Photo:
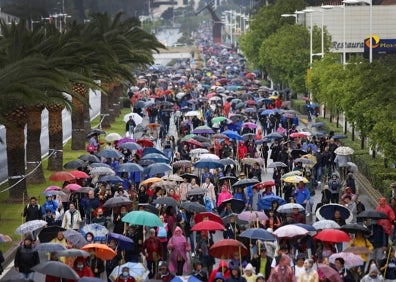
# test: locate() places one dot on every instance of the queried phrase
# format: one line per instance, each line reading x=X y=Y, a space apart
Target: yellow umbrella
x=295 y=179
x=151 y=180
x=310 y=157
x=273 y=97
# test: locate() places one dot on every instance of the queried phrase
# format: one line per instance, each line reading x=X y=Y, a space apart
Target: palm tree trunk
x=104 y=110
x=55 y=134
x=79 y=132
x=33 y=146
x=118 y=97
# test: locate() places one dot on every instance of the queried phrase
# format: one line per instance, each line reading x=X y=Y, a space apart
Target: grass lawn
x=10 y=213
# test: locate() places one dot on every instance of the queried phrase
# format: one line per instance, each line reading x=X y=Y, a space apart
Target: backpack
x=162 y=232
x=334 y=185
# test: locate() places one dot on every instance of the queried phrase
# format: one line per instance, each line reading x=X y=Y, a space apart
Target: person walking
x=26 y=258
x=71 y=218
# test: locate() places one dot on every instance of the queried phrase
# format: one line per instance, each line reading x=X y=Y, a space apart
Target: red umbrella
x=72 y=187
x=145 y=142
x=332 y=236
x=268 y=183
x=226 y=248
x=208 y=225
x=210 y=95
x=79 y=174
x=61 y=176
x=207 y=216
x=193 y=142
x=250 y=102
x=298 y=135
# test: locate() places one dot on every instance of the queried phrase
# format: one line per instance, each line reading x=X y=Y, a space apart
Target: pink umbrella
x=251 y=125
x=250 y=216
x=72 y=187
x=52 y=188
x=350 y=259
x=5 y=238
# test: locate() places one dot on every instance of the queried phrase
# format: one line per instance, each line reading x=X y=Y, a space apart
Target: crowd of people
x=230 y=134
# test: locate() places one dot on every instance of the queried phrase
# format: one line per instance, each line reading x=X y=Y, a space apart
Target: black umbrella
x=49 y=233
x=90 y=158
x=245 y=182
x=74 y=164
x=196 y=191
x=231 y=179
x=372 y=214
x=237 y=206
x=227 y=220
x=228 y=161
x=166 y=201
x=117 y=202
x=200 y=138
x=149 y=208
x=297 y=153
x=190 y=176
x=193 y=207
x=355 y=227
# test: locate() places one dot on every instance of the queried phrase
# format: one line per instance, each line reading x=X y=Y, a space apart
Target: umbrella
x=188 y=136
x=198 y=151
x=327 y=212
x=52 y=188
x=75 y=237
x=72 y=253
x=172 y=177
x=318 y=124
x=208 y=163
x=208 y=225
x=56 y=269
x=30 y=226
x=99 y=231
x=295 y=179
x=111 y=137
x=218 y=119
x=245 y=182
x=189 y=176
x=252 y=161
x=220 y=136
x=72 y=187
x=196 y=191
x=202 y=216
x=232 y=134
x=166 y=201
x=358 y=250
x=227 y=219
x=129 y=167
x=352 y=167
x=251 y=125
x=94 y=165
x=142 y=218
x=157 y=168
x=150 y=150
x=258 y=234
x=140 y=104
x=102 y=171
x=55 y=192
x=149 y=208
x=158 y=158
x=265 y=203
x=123 y=242
x=49 y=233
x=194 y=142
x=130 y=146
x=251 y=216
x=61 y=176
x=192 y=114
x=153 y=125
x=145 y=142
x=326 y=224
x=49 y=247
x=110 y=153
x=5 y=238
x=298 y=135
x=209 y=156
x=355 y=227
x=329 y=273
x=125 y=140
x=350 y=259
x=312 y=230
x=344 y=151
x=290 y=231
x=277 y=164
x=74 y=164
x=136 y=118
x=332 y=236
x=78 y=174
x=151 y=181
x=203 y=129
x=90 y=158
x=304 y=161
x=289 y=207
x=237 y=205
x=273 y=135
x=193 y=207
x=102 y=251
x=339 y=136
x=114 y=179
x=136 y=270
x=117 y=202
x=268 y=183
x=372 y=214
x=226 y=248
x=291 y=173
x=165 y=184
x=297 y=153
x=84 y=190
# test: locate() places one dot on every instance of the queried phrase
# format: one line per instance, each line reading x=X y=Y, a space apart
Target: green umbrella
x=188 y=136
x=142 y=218
x=218 y=119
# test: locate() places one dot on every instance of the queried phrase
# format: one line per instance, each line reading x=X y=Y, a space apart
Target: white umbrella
x=290 y=231
x=344 y=151
x=137 y=118
x=111 y=137
x=191 y=114
x=326 y=224
x=289 y=207
x=102 y=171
x=209 y=156
x=173 y=177
x=30 y=226
x=199 y=151
x=180 y=95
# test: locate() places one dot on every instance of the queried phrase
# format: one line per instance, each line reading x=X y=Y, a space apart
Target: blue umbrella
x=313 y=147
x=123 y=242
x=265 y=203
x=267 y=112
x=130 y=146
x=149 y=150
x=159 y=158
x=110 y=153
x=157 y=168
x=114 y=179
x=258 y=234
x=140 y=104
x=99 y=231
x=210 y=163
x=99 y=165
x=232 y=134
x=129 y=167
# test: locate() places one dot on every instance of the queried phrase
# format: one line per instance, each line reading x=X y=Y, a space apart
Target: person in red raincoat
x=227 y=108
x=242 y=150
x=278 y=103
x=387 y=224
x=222 y=268
x=82 y=268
